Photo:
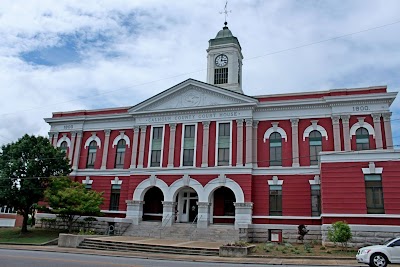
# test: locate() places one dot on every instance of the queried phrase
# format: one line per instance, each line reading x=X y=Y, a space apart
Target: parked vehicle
x=380 y=255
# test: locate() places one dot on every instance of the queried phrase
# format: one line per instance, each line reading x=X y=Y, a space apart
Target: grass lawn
x=34 y=236
x=308 y=249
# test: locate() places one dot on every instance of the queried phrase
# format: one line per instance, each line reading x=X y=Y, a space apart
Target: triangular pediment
x=192 y=94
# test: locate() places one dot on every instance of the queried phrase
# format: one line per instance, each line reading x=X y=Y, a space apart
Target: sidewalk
x=249 y=260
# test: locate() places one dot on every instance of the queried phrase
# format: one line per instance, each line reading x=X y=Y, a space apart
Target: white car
x=380 y=255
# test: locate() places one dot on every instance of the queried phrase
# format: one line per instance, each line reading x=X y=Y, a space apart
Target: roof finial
x=226 y=11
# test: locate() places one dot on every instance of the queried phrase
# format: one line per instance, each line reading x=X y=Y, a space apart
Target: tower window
x=362 y=139
x=221 y=76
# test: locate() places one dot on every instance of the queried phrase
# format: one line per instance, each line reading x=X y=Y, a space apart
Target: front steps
x=184 y=231
x=113 y=245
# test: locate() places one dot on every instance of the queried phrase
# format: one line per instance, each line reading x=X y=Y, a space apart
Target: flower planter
x=235 y=251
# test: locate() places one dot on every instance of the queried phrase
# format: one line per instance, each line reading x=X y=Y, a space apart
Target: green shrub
x=322 y=248
x=339 y=232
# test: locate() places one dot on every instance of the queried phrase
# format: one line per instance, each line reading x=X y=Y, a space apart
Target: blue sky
x=68 y=55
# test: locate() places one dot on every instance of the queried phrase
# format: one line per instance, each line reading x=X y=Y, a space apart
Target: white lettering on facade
x=192 y=117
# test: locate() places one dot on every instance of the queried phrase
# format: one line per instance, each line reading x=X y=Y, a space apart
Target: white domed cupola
x=224 y=61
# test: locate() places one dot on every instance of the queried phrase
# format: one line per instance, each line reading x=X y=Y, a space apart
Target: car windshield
x=390 y=240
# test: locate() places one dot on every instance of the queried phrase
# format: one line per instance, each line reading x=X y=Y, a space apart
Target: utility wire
x=203 y=69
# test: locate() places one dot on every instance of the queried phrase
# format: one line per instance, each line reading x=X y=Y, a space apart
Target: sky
x=69 y=55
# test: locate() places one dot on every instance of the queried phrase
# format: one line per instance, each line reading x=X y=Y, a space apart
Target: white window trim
x=116 y=181
x=87 y=181
x=122 y=136
x=151 y=143
x=372 y=169
x=62 y=139
x=275 y=181
x=314 y=127
x=230 y=143
x=272 y=130
x=195 y=143
x=363 y=124
x=93 y=138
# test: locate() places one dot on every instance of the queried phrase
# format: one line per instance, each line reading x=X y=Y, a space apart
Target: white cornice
x=307 y=170
x=162 y=171
x=360 y=156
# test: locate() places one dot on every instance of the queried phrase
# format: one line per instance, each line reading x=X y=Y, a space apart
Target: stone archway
x=152 y=206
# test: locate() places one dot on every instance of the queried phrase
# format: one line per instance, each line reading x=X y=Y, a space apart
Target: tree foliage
x=340 y=232
x=70 y=200
x=25 y=167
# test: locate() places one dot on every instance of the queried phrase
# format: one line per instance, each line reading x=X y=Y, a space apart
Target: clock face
x=221 y=60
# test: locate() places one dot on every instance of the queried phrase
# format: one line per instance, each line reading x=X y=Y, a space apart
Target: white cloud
x=131 y=50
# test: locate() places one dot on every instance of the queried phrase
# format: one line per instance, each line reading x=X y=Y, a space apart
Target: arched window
x=275 y=149
x=64 y=147
x=120 y=156
x=315 y=139
x=91 y=154
x=362 y=139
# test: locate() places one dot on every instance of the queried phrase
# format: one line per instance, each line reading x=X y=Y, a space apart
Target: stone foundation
x=364 y=235
x=258 y=233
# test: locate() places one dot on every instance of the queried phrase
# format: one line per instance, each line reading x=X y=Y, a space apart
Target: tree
x=25 y=167
x=70 y=200
x=340 y=232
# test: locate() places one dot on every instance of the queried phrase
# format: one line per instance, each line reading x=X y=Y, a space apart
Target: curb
x=189 y=258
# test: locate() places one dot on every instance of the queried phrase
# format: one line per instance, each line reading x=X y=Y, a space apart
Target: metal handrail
x=169 y=217
x=192 y=231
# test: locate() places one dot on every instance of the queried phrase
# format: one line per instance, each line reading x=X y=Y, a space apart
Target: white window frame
x=151 y=143
x=195 y=143
x=216 y=143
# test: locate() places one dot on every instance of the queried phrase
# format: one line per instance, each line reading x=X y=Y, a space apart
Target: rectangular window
x=315 y=200
x=221 y=76
x=314 y=153
x=114 y=198
x=275 y=200
x=156 y=147
x=88 y=186
x=188 y=145
x=275 y=154
x=374 y=193
x=224 y=139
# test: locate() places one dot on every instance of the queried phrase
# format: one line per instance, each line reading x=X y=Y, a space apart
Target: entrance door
x=193 y=210
x=187 y=205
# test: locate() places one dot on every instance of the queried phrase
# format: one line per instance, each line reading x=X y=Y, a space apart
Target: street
x=17 y=258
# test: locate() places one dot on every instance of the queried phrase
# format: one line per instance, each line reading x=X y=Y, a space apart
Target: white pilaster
x=249 y=142
x=55 y=139
x=168 y=213
x=336 y=132
x=134 y=146
x=243 y=214
x=388 y=130
x=77 y=150
x=239 y=150
x=206 y=136
x=105 y=149
x=255 y=143
x=203 y=214
x=134 y=211
x=346 y=132
x=141 y=146
x=378 y=131
x=295 y=142
x=172 y=132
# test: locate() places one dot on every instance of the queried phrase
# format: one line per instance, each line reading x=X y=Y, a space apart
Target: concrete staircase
x=110 y=245
x=184 y=231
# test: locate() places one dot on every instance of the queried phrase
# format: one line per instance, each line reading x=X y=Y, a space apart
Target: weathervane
x=225 y=12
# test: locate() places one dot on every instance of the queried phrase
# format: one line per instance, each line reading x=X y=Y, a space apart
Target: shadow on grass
x=34 y=236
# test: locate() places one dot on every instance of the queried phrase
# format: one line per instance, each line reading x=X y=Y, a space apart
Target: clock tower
x=224 y=61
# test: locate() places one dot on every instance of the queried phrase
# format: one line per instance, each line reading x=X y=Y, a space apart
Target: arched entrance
x=153 y=207
x=223 y=208
x=187 y=208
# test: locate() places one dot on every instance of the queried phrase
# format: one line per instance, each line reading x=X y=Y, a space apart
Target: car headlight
x=364 y=251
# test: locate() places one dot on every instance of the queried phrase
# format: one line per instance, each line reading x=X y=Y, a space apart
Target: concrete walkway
x=316 y=261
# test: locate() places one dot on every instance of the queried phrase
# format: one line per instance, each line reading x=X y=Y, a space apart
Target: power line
x=203 y=69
